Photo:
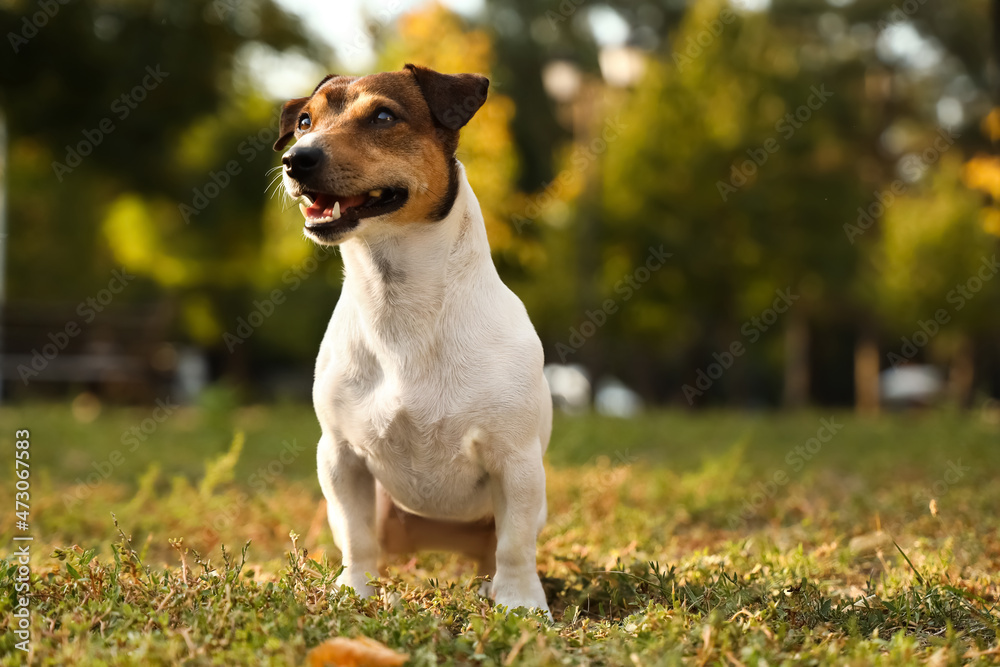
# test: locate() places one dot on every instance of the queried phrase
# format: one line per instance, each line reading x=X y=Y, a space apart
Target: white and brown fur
x=429 y=388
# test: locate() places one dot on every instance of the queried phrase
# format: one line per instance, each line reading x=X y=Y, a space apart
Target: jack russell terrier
x=429 y=387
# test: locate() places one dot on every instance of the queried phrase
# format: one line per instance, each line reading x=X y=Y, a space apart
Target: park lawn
x=710 y=538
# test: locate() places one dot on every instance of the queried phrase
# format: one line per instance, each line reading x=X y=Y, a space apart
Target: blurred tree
x=436 y=37
x=926 y=67
x=138 y=140
x=531 y=34
x=708 y=147
x=749 y=150
x=93 y=60
x=936 y=273
x=758 y=149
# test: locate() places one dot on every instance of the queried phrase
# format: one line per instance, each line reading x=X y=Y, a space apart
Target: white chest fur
x=430 y=370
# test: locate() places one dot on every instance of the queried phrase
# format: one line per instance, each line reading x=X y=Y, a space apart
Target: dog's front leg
x=518 y=492
x=349 y=489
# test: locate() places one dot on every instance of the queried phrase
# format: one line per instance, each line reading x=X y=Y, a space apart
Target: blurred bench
x=122 y=352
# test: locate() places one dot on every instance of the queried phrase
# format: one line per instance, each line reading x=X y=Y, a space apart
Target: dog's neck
x=403 y=284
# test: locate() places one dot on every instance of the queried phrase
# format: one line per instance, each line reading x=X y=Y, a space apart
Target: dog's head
x=378 y=151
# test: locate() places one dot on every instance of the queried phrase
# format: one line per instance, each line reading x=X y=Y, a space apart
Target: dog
x=429 y=390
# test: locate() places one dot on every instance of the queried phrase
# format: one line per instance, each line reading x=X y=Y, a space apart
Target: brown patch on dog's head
x=377 y=149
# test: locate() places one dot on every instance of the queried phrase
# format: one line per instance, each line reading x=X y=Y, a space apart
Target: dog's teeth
x=303 y=207
x=336 y=210
x=375 y=193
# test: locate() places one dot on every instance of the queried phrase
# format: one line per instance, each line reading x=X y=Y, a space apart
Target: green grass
x=676 y=538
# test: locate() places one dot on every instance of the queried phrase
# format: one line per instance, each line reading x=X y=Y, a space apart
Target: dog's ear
x=289 y=117
x=453 y=98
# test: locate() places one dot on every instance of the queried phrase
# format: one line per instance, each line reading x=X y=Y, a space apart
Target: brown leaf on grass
x=360 y=652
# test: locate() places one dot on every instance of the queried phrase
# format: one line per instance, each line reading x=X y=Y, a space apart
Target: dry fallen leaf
x=360 y=652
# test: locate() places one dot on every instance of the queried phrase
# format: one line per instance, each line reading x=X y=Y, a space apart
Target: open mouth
x=332 y=212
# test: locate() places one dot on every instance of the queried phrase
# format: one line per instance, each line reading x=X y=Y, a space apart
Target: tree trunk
x=796 y=393
x=866 y=368
x=961 y=373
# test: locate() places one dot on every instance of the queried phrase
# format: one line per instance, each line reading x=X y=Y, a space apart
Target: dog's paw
x=358 y=581
x=526 y=593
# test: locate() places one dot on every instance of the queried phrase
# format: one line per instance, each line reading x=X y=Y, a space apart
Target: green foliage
x=703 y=167
x=177 y=190
x=436 y=38
x=938 y=227
x=748 y=144
x=221 y=470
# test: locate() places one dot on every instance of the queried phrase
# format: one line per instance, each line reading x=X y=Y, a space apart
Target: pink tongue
x=323 y=206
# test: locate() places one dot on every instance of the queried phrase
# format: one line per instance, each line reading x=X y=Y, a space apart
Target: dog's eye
x=304 y=122
x=383 y=116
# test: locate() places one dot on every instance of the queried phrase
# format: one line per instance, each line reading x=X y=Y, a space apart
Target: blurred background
x=702 y=203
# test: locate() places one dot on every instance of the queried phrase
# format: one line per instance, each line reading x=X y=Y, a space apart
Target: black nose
x=302 y=161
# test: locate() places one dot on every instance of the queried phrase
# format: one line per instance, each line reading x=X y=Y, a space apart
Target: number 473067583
x=22 y=470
